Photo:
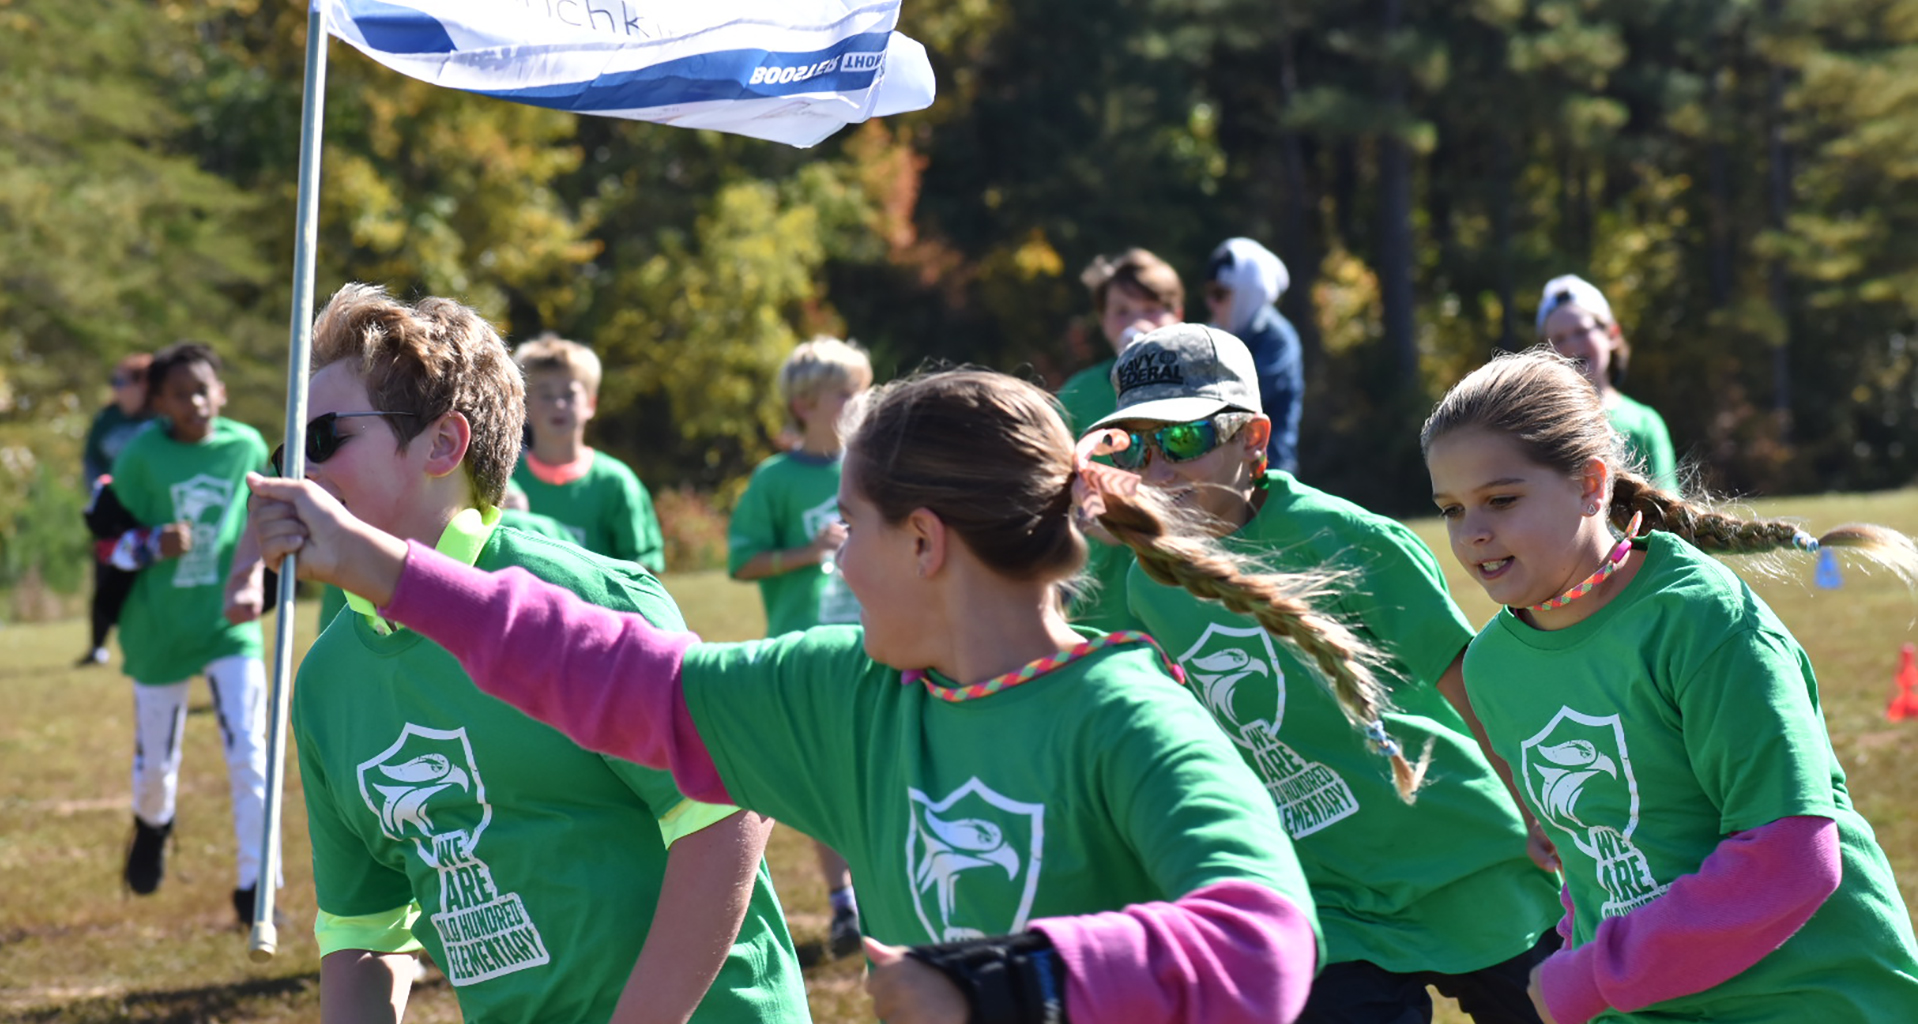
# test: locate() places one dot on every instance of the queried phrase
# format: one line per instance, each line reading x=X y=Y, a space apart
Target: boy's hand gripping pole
x=265 y=940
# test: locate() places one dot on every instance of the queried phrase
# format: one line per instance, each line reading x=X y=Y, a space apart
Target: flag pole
x=265 y=940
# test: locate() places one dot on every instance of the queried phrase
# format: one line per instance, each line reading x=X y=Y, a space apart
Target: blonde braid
x=1710 y=529
x=1281 y=602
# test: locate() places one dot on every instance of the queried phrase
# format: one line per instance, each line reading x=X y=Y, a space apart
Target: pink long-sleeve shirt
x=1228 y=952
x=1755 y=890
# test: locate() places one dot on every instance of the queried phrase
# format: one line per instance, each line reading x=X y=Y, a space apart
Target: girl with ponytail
x=1044 y=820
x=1662 y=723
x=1470 y=915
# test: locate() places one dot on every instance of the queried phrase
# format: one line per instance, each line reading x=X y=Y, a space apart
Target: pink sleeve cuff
x=609 y=680
x=1756 y=890
x=1227 y=953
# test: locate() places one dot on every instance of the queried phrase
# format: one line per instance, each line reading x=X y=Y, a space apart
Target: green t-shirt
x=1387 y=892
x=536 y=864
x=175 y=621
x=1645 y=437
x=1679 y=713
x=1088 y=397
x=107 y=437
x=1096 y=785
x=608 y=510
x=790 y=498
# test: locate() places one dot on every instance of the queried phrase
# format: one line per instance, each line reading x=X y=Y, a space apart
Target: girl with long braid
x=1048 y=822
x=1662 y=723
x=1471 y=914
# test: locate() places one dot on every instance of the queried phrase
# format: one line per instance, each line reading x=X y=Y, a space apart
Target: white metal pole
x=265 y=939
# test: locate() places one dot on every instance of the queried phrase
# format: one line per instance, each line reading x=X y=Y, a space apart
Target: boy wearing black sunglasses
x=185 y=480
x=544 y=879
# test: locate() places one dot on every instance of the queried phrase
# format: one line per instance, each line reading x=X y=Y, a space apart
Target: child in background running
x=785 y=533
x=1663 y=723
x=1470 y=915
x=1047 y=819
x=1575 y=319
x=186 y=474
x=595 y=495
x=549 y=882
x=113 y=426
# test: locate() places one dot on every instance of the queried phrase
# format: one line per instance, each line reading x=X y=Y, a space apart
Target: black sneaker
x=243 y=907
x=146 y=856
x=842 y=939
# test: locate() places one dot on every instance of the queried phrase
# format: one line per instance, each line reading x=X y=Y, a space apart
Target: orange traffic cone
x=1904 y=701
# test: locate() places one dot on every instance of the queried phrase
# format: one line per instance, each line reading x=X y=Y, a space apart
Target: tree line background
x=1737 y=175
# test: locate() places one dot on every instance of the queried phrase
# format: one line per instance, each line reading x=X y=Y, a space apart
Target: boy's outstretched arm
x=702 y=900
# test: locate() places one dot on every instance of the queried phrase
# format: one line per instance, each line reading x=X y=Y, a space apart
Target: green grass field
x=75 y=948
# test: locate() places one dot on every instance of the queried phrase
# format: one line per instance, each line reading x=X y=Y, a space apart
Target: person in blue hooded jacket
x=1243 y=280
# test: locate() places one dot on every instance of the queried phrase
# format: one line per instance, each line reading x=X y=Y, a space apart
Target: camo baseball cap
x=1183 y=373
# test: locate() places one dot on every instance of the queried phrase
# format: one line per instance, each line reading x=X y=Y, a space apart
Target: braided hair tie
x=1804 y=541
x=1375 y=731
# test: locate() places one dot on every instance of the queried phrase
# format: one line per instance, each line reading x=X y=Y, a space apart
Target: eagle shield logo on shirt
x=1578 y=774
x=1236 y=672
x=426 y=790
x=201 y=503
x=970 y=855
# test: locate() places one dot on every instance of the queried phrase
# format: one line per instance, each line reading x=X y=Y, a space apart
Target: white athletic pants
x=239 y=700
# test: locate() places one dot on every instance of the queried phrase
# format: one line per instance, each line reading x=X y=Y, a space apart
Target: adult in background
x=112 y=428
x=1242 y=281
x=1575 y=319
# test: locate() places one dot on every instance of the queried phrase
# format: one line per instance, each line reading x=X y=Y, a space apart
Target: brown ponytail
x=991 y=457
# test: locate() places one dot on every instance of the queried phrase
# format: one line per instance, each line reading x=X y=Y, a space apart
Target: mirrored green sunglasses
x=1175 y=442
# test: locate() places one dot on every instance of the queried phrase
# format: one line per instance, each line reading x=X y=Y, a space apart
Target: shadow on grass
x=182 y=1006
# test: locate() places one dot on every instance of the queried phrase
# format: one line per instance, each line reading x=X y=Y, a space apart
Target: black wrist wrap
x=1007 y=979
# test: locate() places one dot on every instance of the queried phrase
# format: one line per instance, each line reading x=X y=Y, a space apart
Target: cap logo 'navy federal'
x=1156 y=366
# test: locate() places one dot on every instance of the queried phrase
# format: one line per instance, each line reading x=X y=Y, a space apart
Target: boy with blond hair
x=544 y=878
x=596 y=496
x=785 y=533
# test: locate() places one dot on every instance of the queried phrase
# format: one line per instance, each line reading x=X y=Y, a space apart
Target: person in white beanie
x=1242 y=281
x=1575 y=319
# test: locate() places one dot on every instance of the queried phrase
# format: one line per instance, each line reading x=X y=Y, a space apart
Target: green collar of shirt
x=462 y=540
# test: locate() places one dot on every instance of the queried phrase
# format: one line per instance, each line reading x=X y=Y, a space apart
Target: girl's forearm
x=1230 y=952
x=1754 y=891
x=609 y=680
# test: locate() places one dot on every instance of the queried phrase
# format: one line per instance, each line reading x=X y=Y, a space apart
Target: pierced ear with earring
x=1591 y=509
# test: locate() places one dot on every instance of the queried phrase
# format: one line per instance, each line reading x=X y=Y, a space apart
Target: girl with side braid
x=1470 y=915
x=1042 y=816
x=1663 y=724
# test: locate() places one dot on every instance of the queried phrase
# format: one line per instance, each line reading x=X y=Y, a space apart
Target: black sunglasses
x=323 y=437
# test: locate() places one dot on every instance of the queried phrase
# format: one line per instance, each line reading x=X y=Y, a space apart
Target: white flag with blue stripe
x=791 y=71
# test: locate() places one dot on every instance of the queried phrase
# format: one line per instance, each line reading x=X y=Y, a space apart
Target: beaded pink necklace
x=1035 y=669
x=1612 y=562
